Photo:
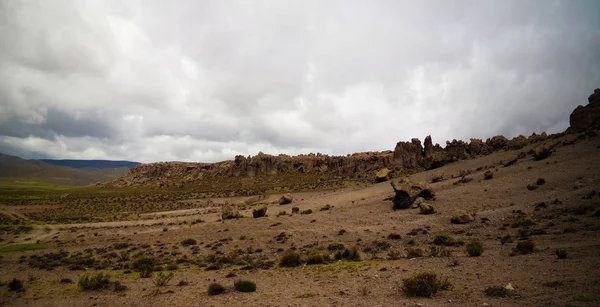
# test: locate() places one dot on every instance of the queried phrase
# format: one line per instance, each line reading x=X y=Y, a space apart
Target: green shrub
x=444 y=239
x=317 y=258
x=15 y=285
x=144 y=265
x=561 y=253
x=244 y=286
x=394 y=255
x=335 y=246
x=162 y=279
x=488 y=175
x=188 y=242
x=97 y=281
x=525 y=247
x=215 y=289
x=414 y=252
x=424 y=284
x=290 y=259
x=474 y=248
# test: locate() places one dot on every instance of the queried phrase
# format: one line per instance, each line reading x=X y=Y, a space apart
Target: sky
x=207 y=80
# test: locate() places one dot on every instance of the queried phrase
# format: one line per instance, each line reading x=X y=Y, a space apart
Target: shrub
x=307 y=211
x=188 y=242
x=227 y=213
x=162 y=279
x=525 y=247
x=335 y=246
x=435 y=250
x=325 y=208
x=424 y=284
x=66 y=281
x=120 y=245
x=317 y=258
x=394 y=255
x=351 y=254
x=561 y=253
x=488 y=175
x=15 y=285
x=497 y=291
x=540 y=181
x=281 y=213
x=143 y=265
x=118 y=287
x=97 y=281
x=244 y=286
x=531 y=187
x=444 y=239
x=215 y=289
x=474 y=248
x=414 y=252
x=394 y=236
x=290 y=259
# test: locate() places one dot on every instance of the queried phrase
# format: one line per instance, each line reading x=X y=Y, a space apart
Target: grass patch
x=425 y=284
x=23 y=247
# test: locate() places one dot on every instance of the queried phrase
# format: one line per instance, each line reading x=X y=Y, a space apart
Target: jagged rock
x=461 y=217
x=286 y=199
x=256 y=213
x=406 y=192
x=497 y=142
x=407 y=154
x=382 y=175
x=588 y=117
x=542 y=151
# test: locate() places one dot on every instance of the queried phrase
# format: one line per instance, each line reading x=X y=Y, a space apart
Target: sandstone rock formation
x=587 y=117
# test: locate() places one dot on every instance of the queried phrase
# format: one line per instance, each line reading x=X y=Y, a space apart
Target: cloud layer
x=206 y=80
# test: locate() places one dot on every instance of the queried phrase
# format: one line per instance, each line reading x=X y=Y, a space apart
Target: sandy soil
x=571 y=173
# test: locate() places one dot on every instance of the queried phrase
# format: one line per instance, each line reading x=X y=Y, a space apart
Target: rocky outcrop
x=587 y=117
x=242 y=173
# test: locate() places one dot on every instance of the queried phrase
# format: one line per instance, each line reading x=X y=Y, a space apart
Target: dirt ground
x=567 y=219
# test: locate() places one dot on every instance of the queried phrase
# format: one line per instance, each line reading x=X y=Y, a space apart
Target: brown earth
x=567 y=219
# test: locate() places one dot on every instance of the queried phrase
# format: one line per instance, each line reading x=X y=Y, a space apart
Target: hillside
x=14 y=170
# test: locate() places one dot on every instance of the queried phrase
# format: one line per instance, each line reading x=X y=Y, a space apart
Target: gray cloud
x=206 y=80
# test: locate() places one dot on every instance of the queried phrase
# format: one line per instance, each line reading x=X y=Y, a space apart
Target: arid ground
x=560 y=210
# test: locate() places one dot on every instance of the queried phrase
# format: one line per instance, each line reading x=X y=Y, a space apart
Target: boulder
x=510 y=161
x=461 y=217
x=426 y=209
x=382 y=175
x=588 y=117
x=256 y=213
x=406 y=192
x=286 y=199
x=542 y=151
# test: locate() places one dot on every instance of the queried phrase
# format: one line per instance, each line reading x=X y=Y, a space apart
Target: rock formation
x=587 y=117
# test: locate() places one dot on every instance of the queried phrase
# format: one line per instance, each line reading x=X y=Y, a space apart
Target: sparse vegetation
x=414 y=252
x=496 y=291
x=290 y=259
x=524 y=247
x=335 y=246
x=162 y=279
x=488 y=175
x=425 y=284
x=96 y=281
x=444 y=239
x=352 y=254
x=474 y=248
x=561 y=253
x=15 y=285
x=188 y=242
x=215 y=289
x=244 y=286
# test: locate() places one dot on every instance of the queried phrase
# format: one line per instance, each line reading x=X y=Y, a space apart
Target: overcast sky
x=207 y=80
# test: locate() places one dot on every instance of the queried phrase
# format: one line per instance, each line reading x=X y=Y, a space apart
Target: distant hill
x=100 y=164
x=15 y=170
